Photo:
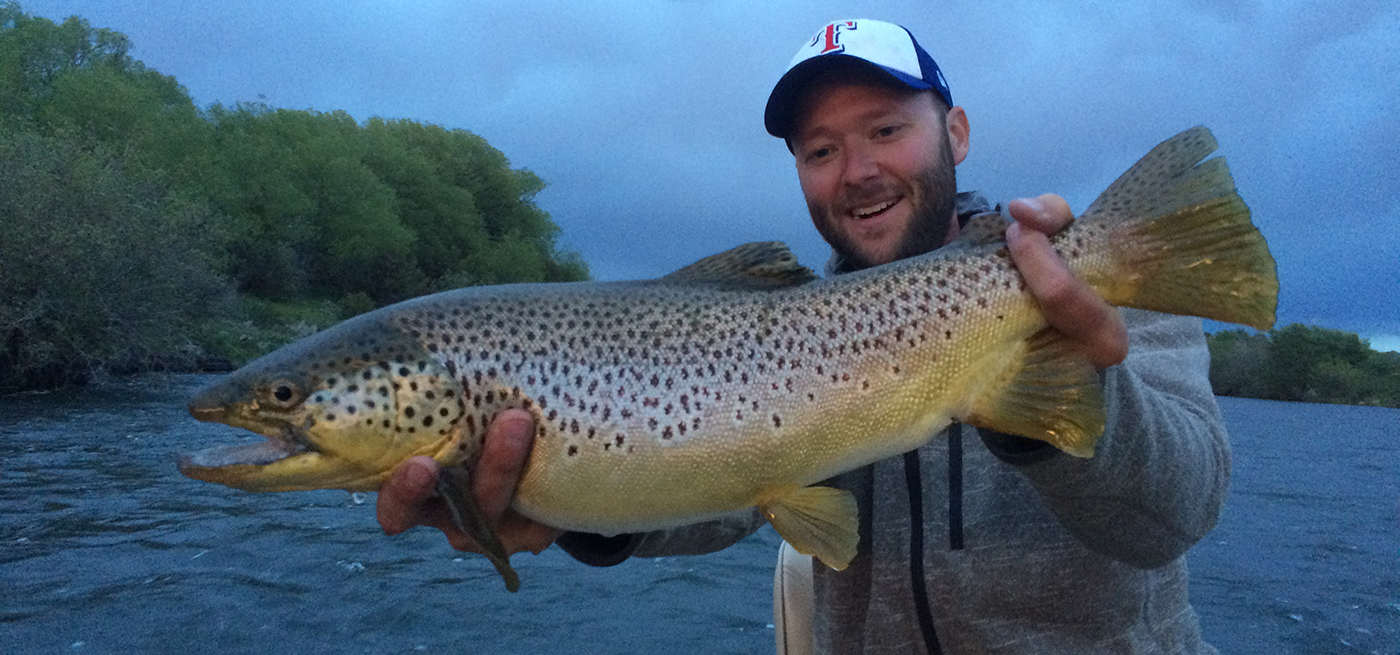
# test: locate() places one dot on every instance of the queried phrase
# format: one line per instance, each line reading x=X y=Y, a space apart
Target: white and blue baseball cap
x=884 y=47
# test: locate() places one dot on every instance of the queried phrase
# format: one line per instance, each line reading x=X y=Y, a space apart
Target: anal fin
x=1051 y=393
x=817 y=521
x=454 y=485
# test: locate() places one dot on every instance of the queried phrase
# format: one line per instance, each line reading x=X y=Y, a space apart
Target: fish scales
x=624 y=377
x=737 y=381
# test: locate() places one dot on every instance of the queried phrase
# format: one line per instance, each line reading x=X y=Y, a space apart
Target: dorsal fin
x=982 y=229
x=758 y=265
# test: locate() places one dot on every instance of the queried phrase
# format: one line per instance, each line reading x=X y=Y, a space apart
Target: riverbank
x=238 y=331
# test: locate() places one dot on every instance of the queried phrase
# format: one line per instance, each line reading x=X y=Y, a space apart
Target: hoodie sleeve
x=1158 y=479
x=697 y=539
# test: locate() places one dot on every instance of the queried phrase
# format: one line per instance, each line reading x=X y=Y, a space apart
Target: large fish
x=741 y=380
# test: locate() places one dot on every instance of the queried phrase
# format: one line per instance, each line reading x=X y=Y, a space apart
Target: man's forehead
x=883 y=96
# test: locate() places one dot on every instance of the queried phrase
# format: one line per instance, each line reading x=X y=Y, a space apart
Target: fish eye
x=284 y=392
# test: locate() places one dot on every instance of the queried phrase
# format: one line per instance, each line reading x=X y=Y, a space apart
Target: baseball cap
x=882 y=46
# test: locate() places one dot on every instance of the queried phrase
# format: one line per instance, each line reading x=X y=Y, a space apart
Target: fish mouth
x=222 y=463
x=273 y=449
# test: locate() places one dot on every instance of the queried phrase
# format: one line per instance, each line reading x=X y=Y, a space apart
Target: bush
x=100 y=272
x=1304 y=363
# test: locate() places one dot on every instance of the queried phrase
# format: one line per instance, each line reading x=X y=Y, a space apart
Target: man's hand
x=406 y=499
x=1069 y=305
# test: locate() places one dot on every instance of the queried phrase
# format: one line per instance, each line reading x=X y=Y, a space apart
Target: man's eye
x=887 y=131
x=818 y=154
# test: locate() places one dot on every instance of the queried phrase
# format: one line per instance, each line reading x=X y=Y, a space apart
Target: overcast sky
x=645 y=118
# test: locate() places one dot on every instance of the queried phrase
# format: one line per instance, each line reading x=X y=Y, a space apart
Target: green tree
x=100 y=272
x=1304 y=363
x=1291 y=372
x=1236 y=359
x=76 y=80
x=123 y=209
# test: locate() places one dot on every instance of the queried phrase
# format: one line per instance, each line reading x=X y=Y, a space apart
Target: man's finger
x=503 y=455
x=404 y=493
x=1069 y=305
x=1046 y=214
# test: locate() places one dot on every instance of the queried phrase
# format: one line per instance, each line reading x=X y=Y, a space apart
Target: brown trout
x=741 y=380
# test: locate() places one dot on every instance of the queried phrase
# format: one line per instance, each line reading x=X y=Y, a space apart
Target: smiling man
x=876 y=164
x=977 y=542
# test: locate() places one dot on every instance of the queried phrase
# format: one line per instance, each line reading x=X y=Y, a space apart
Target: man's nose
x=859 y=166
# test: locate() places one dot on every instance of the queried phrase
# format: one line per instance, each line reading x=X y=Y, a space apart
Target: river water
x=105 y=548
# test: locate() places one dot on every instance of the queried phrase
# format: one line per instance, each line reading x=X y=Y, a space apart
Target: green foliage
x=74 y=80
x=1236 y=359
x=255 y=327
x=125 y=208
x=323 y=206
x=1304 y=363
x=99 y=272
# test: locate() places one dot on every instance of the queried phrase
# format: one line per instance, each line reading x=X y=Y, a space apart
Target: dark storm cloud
x=645 y=118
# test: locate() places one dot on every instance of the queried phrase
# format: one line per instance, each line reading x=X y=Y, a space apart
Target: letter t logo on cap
x=832 y=36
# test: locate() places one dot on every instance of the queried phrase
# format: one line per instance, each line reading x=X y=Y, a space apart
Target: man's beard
x=928 y=226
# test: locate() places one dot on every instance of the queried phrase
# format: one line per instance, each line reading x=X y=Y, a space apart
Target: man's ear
x=958 y=133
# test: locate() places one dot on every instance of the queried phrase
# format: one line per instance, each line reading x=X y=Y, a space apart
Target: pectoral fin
x=817 y=521
x=454 y=485
x=1051 y=393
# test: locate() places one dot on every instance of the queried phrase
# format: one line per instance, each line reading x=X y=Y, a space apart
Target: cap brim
x=787 y=93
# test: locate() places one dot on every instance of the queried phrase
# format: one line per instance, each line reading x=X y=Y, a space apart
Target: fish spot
x=409 y=412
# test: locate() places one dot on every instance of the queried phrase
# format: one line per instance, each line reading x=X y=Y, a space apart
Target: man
x=977 y=542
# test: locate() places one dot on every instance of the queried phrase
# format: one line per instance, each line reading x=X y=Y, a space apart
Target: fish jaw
x=339 y=410
x=285 y=461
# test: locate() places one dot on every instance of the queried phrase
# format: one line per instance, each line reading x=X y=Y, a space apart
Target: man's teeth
x=865 y=212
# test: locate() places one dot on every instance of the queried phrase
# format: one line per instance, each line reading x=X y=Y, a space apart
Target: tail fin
x=1181 y=239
